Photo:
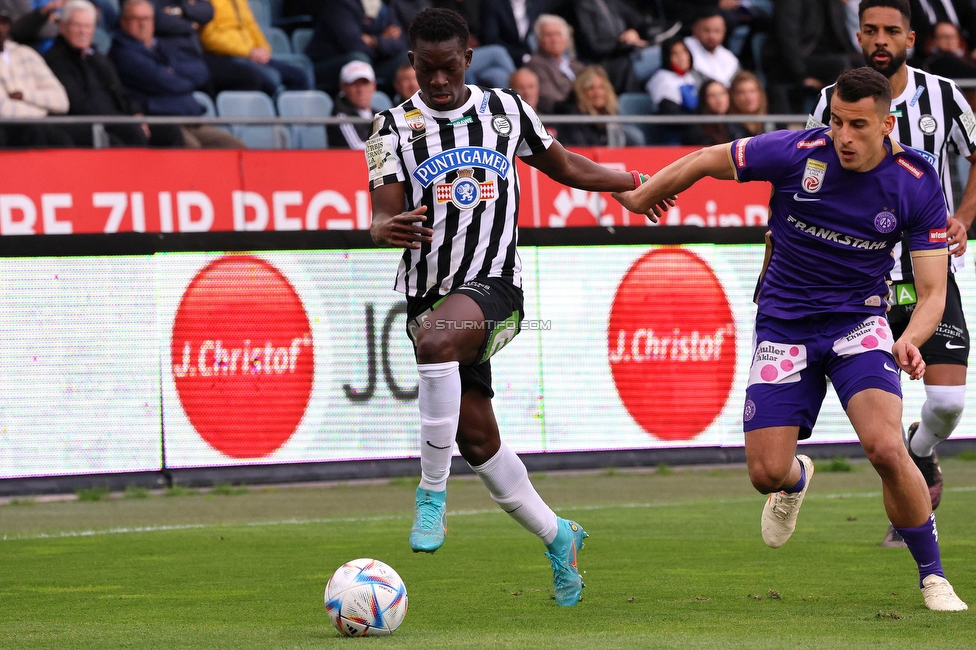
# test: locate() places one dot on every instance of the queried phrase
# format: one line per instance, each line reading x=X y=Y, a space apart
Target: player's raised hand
x=908 y=359
x=956 y=237
x=403 y=230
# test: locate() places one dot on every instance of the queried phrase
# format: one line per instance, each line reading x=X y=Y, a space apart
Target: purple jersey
x=832 y=230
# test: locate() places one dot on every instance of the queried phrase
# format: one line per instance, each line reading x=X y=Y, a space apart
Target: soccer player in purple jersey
x=842 y=197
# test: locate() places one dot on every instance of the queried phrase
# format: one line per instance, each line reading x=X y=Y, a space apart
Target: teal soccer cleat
x=429 y=521
x=562 y=555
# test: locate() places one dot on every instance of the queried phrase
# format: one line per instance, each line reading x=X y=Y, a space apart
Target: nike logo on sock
x=436 y=447
x=925 y=566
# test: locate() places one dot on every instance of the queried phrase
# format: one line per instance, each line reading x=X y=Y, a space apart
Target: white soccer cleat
x=939 y=595
x=779 y=513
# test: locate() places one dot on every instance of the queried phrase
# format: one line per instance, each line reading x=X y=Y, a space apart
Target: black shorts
x=950 y=343
x=503 y=306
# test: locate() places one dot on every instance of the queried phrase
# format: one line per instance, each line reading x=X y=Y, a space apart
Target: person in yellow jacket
x=234 y=32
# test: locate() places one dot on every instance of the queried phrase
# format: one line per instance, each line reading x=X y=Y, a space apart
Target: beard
x=892 y=66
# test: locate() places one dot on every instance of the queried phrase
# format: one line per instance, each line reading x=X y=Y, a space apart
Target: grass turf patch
x=674 y=560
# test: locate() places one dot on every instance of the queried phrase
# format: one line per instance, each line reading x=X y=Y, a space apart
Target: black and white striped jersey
x=461 y=165
x=931 y=115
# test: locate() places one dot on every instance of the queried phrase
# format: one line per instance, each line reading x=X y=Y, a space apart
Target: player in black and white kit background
x=443 y=186
x=931 y=116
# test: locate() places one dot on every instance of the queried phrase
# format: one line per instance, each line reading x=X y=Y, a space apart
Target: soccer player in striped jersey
x=842 y=197
x=444 y=187
x=931 y=116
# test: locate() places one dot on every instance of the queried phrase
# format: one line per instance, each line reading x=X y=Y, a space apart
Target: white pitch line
x=453 y=513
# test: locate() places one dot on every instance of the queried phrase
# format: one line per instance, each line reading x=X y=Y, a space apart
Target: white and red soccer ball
x=366 y=597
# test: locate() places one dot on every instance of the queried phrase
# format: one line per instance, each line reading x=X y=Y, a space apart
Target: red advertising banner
x=138 y=190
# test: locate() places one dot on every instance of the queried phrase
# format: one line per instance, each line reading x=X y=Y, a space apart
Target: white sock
x=440 y=406
x=508 y=483
x=940 y=415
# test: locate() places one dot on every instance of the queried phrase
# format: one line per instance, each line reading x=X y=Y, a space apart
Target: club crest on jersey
x=465 y=192
x=813 y=176
x=501 y=125
x=927 y=124
x=885 y=221
x=415 y=120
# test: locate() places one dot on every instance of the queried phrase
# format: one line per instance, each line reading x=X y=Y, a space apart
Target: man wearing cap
x=28 y=88
x=357 y=85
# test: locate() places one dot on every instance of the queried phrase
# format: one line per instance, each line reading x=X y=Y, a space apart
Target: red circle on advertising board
x=243 y=359
x=671 y=343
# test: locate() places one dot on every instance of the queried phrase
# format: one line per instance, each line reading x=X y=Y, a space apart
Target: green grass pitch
x=675 y=560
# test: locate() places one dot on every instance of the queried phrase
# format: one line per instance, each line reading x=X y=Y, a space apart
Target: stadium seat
x=278 y=40
x=102 y=41
x=381 y=101
x=300 y=61
x=204 y=100
x=306 y=103
x=262 y=13
x=252 y=103
x=639 y=104
x=300 y=38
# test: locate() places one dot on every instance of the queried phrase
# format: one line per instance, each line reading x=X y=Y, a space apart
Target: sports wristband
x=639 y=178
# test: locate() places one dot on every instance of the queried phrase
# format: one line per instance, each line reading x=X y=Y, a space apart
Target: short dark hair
x=900 y=5
x=855 y=84
x=435 y=25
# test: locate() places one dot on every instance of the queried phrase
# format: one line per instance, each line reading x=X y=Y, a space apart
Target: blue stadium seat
x=639 y=104
x=262 y=13
x=277 y=39
x=300 y=38
x=252 y=103
x=381 y=101
x=306 y=103
x=102 y=41
x=300 y=61
x=204 y=100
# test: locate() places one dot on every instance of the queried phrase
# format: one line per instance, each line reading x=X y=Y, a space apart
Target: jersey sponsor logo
x=379 y=156
x=813 y=176
x=461 y=121
x=740 y=153
x=811 y=144
x=415 y=120
x=465 y=192
x=938 y=235
x=813 y=123
x=799 y=197
x=873 y=333
x=777 y=363
x=836 y=237
x=670 y=317
x=501 y=125
x=447 y=161
x=912 y=169
x=890 y=369
x=952 y=346
x=929 y=158
x=927 y=124
x=968 y=123
x=918 y=93
x=885 y=221
x=484 y=103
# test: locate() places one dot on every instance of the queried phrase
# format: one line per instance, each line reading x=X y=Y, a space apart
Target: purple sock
x=923 y=542
x=799 y=484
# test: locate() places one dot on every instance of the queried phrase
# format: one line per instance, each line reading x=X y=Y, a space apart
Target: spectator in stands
x=162 y=78
x=525 y=82
x=595 y=96
x=357 y=86
x=508 y=23
x=28 y=88
x=807 y=49
x=946 y=53
x=177 y=22
x=674 y=88
x=926 y=14
x=713 y=99
x=30 y=25
x=552 y=62
x=712 y=59
x=404 y=83
x=355 y=29
x=610 y=34
x=233 y=33
x=93 y=85
x=748 y=97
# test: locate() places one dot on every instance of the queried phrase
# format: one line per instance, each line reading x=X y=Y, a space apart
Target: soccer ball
x=366 y=597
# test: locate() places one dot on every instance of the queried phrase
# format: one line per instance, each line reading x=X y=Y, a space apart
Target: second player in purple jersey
x=845 y=222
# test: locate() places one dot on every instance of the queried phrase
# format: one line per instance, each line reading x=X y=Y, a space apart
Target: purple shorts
x=793 y=359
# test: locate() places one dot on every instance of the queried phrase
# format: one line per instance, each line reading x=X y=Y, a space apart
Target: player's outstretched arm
x=713 y=161
x=930 y=285
x=391 y=226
